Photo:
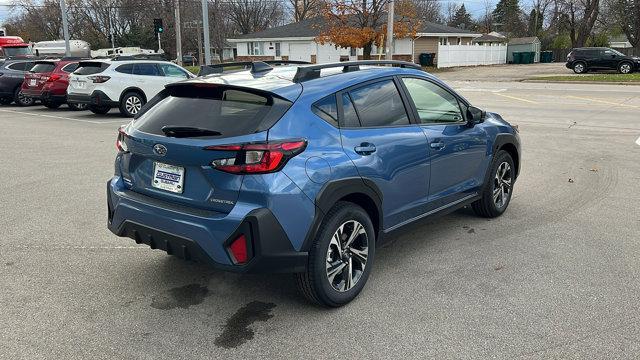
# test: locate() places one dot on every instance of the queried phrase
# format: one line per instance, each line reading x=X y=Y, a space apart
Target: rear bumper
x=97 y=98
x=202 y=236
x=44 y=95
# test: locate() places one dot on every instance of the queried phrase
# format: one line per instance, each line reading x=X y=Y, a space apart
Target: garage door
x=301 y=52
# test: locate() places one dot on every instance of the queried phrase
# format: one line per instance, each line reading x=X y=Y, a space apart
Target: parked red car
x=47 y=81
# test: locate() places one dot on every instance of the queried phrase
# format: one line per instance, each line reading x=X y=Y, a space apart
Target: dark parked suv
x=12 y=74
x=581 y=60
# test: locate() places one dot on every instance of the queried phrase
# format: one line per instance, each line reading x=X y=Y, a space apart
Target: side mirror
x=475 y=115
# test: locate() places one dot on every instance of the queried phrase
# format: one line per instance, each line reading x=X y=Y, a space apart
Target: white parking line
x=516 y=98
x=64 y=118
x=638 y=141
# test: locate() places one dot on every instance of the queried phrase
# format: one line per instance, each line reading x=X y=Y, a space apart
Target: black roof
x=312 y=28
x=490 y=38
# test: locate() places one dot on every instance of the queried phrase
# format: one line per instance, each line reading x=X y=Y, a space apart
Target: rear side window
x=327 y=109
x=379 y=104
x=125 y=69
x=228 y=111
x=43 y=67
x=91 y=68
x=69 y=68
x=146 y=69
x=21 y=66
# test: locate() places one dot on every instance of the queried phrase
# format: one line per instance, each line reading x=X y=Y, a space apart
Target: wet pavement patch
x=236 y=332
x=180 y=297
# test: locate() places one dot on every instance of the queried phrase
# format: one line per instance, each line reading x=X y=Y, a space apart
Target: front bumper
x=202 y=236
x=96 y=98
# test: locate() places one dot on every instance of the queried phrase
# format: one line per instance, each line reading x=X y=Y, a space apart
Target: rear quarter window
x=229 y=111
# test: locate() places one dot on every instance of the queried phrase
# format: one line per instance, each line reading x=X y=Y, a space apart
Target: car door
x=609 y=59
x=149 y=78
x=386 y=147
x=458 y=152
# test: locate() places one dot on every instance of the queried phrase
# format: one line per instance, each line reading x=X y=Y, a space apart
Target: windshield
x=17 y=51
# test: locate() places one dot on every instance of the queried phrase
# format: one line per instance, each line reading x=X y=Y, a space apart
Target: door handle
x=365 y=149
x=437 y=145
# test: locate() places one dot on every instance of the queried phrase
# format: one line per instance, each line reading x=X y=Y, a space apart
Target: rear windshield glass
x=230 y=112
x=43 y=67
x=91 y=68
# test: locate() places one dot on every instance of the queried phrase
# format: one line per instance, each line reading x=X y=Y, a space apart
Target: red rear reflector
x=238 y=250
x=54 y=77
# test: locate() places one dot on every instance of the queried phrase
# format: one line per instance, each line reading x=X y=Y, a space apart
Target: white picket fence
x=471 y=55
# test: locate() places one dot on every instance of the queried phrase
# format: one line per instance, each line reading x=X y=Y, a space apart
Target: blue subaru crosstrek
x=305 y=168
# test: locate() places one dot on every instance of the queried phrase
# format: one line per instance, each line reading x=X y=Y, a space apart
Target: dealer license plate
x=168 y=177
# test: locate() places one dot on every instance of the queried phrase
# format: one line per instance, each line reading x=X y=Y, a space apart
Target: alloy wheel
x=133 y=104
x=24 y=100
x=625 y=68
x=502 y=184
x=347 y=255
x=579 y=68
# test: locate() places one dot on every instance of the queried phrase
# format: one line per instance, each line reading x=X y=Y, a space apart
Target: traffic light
x=157 y=26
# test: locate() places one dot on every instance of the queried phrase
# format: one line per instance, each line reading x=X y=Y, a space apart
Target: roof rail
x=311 y=72
x=256 y=66
x=157 y=57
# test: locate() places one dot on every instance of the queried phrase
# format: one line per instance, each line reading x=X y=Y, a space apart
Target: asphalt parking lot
x=557 y=276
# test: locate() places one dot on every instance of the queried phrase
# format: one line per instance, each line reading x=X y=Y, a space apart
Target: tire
x=22 y=100
x=496 y=194
x=6 y=101
x=131 y=103
x=100 y=110
x=78 y=107
x=51 y=105
x=579 y=67
x=315 y=284
x=625 y=68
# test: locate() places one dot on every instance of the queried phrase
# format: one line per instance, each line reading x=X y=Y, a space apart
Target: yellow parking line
x=516 y=98
x=603 y=101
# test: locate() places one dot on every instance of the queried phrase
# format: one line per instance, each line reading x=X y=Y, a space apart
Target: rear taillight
x=98 y=79
x=257 y=158
x=121 y=146
x=53 y=77
x=239 y=250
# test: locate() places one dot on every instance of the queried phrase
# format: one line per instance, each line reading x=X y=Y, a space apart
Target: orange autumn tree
x=361 y=24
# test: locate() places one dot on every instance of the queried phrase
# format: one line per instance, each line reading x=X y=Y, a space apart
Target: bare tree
x=304 y=9
x=581 y=16
x=255 y=15
x=428 y=10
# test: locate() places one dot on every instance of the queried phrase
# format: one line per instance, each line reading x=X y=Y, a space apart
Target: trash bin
x=426 y=59
x=531 y=57
x=517 y=57
x=546 y=56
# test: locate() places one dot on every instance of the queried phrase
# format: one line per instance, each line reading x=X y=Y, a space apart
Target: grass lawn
x=193 y=69
x=618 y=78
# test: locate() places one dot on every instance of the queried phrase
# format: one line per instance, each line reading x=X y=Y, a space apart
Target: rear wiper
x=188 y=131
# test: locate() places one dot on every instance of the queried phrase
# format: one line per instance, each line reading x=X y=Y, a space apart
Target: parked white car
x=125 y=84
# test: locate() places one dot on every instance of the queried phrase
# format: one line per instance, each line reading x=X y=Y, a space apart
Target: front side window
x=433 y=103
x=379 y=104
x=173 y=71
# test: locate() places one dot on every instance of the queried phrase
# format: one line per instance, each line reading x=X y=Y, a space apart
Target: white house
x=296 y=41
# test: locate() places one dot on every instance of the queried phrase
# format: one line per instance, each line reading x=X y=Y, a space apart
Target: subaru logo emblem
x=159 y=149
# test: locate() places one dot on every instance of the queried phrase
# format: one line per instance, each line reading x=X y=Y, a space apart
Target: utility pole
x=199 y=42
x=389 y=50
x=65 y=27
x=178 y=34
x=113 y=43
x=205 y=27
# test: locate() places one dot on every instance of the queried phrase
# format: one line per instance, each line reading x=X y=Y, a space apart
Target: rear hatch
x=86 y=77
x=167 y=148
x=40 y=73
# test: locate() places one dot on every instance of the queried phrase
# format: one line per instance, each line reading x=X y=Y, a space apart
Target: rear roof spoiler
x=255 y=66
